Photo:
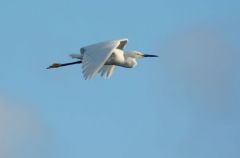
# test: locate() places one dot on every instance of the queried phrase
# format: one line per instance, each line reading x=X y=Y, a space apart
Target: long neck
x=129 y=62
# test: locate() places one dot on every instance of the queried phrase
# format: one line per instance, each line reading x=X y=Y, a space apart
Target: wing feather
x=96 y=55
x=122 y=44
x=106 y=71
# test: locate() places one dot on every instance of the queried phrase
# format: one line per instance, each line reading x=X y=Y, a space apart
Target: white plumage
x=104 y=57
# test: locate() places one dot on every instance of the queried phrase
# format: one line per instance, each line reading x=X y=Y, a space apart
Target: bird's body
x=104 y=57
x=118 y=58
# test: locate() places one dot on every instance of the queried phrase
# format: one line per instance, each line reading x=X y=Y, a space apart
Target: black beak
x=148 y=55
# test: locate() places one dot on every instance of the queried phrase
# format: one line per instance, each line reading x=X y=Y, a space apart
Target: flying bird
x=103 y=58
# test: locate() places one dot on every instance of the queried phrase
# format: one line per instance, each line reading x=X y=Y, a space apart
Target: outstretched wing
x=95 y=56
x=106 y=71
x=122 y=44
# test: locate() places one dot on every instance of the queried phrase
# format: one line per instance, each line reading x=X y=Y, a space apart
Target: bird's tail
x=76 y=56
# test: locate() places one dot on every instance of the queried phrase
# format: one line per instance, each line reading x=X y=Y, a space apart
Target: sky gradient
x=184 y=104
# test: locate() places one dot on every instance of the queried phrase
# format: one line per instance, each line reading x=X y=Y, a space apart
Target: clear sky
x=184 y=104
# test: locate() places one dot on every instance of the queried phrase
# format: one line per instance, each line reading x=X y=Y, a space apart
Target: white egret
x=104 y=57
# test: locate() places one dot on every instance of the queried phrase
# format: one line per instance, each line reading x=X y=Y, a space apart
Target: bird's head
x=138 y=55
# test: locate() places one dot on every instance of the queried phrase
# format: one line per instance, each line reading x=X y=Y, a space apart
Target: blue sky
x=183 y=104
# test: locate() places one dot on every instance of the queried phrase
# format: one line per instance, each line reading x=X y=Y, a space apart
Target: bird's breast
x=116 y=58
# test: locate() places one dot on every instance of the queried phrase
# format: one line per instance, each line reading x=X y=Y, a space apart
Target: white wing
x=106 y=71
x=95 y=56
